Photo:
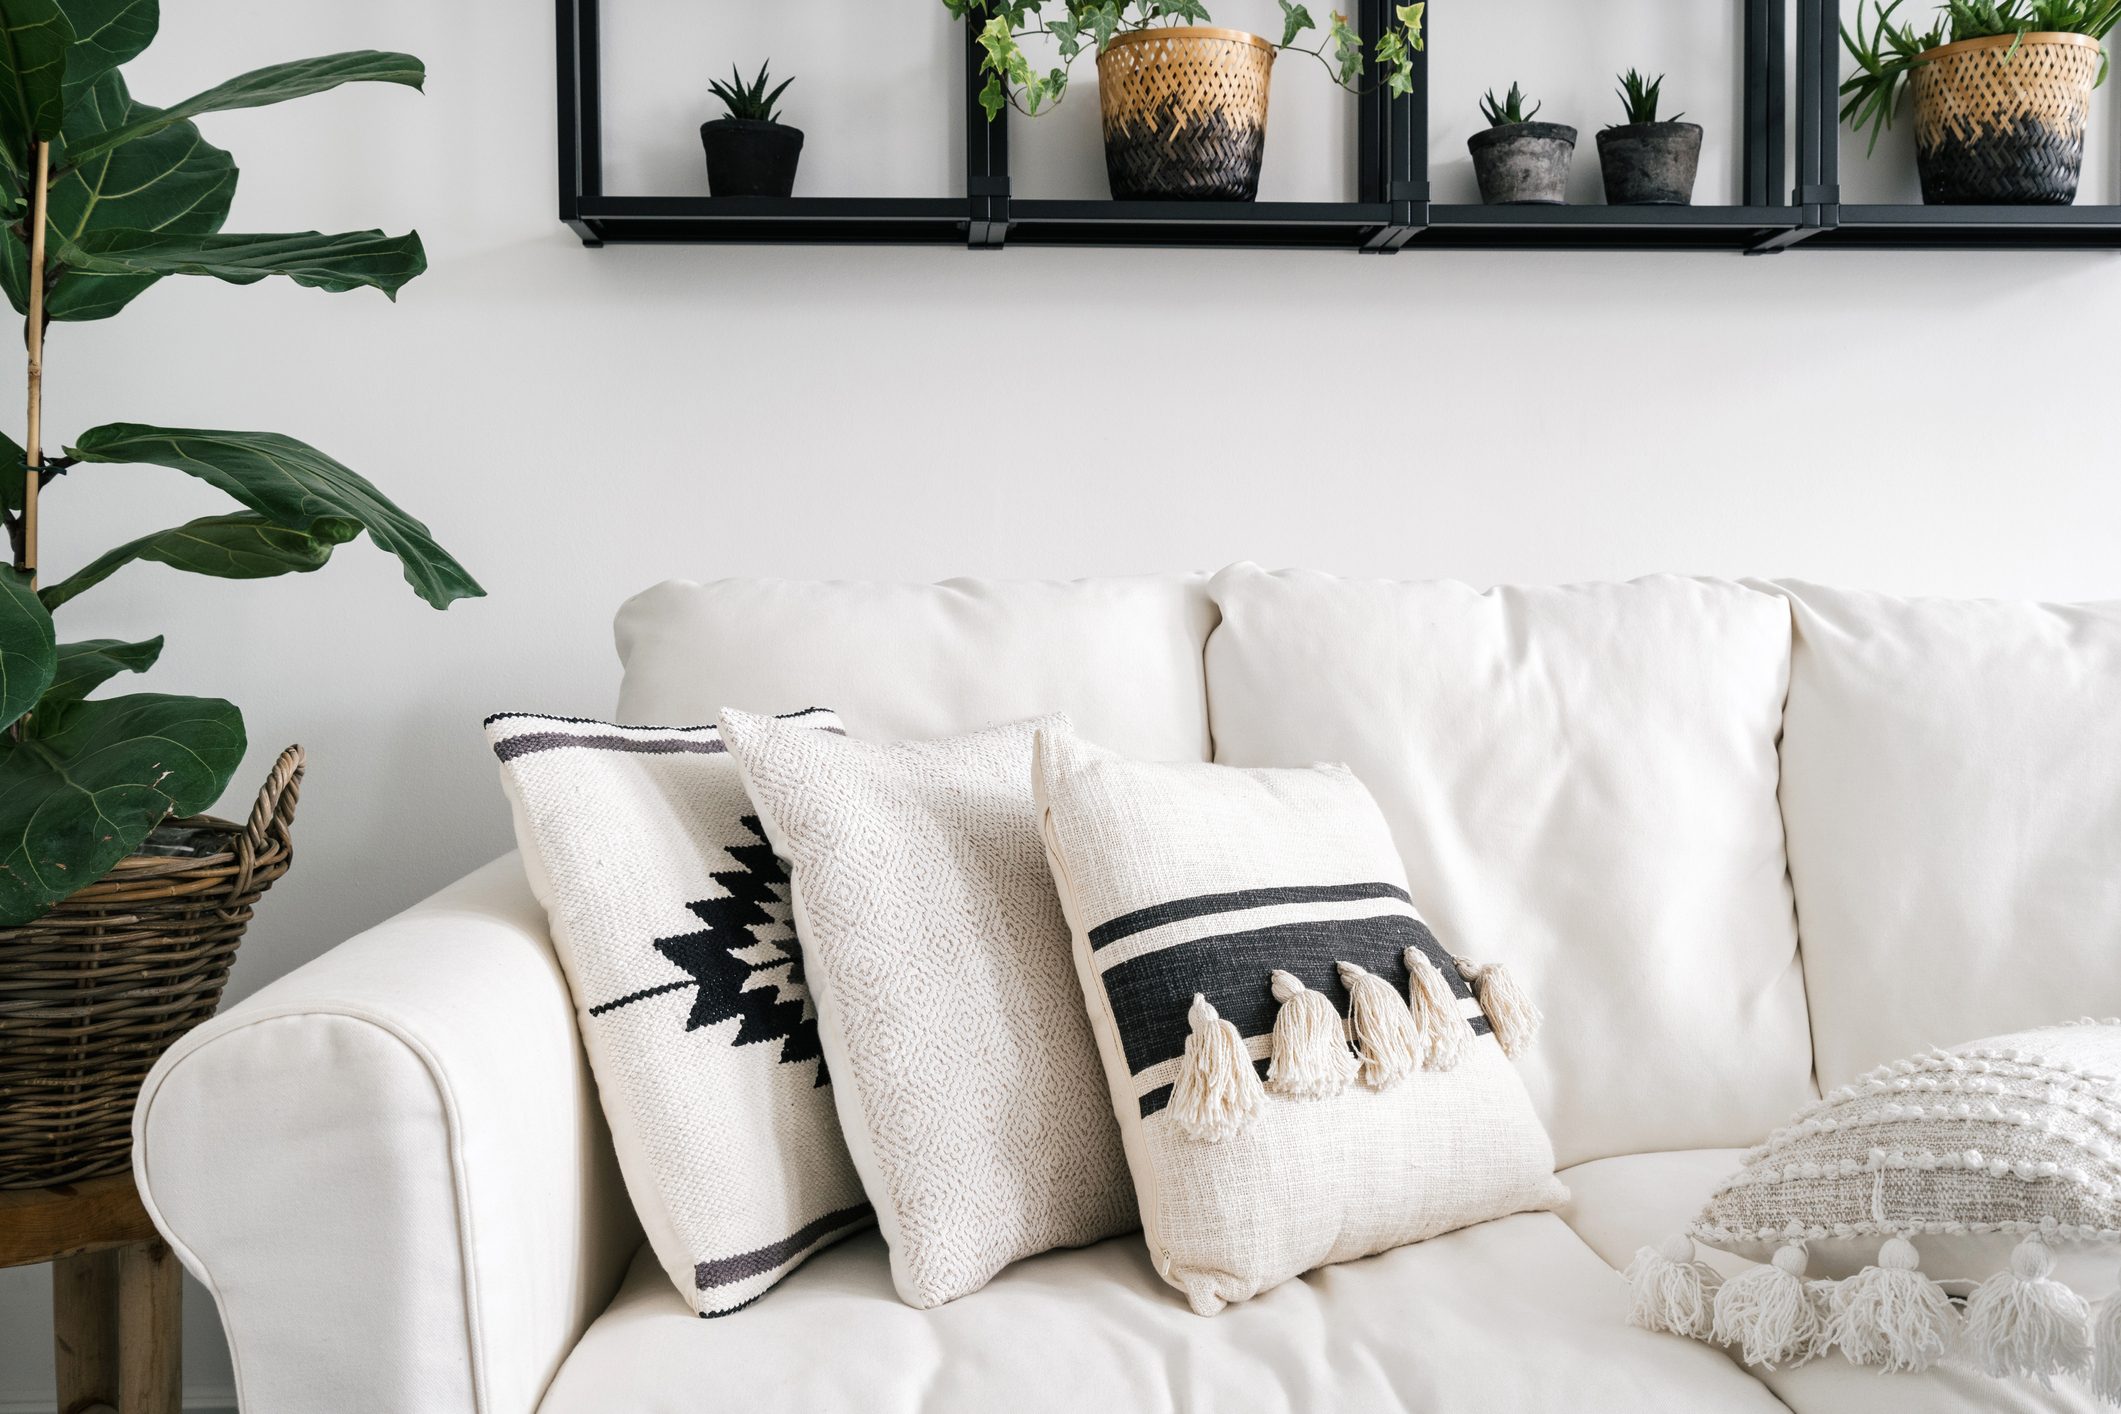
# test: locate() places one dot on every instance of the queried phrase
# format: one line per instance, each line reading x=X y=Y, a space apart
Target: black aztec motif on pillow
x=671 y=917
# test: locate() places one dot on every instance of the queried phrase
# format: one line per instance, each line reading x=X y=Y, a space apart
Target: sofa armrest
x=390 y=1169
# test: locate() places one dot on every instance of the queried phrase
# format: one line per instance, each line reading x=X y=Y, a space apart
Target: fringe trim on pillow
x=1217 y=1095
x=2106 y=1351
x=1891 y=1315
x=1670 y=1290
x=1311 y=1056
x=2022 y=1321
x=1434 y=1007
x=1387 y=1037
x=1772 y=1314
x=1510 y=1010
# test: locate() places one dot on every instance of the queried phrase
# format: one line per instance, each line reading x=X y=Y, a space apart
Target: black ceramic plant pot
x=746 y=158
x=1650 y=164
x=1523 y=164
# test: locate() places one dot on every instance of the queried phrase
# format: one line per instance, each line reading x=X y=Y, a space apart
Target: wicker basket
x=1185 y=111
x=93 y=992
x=1994 y=123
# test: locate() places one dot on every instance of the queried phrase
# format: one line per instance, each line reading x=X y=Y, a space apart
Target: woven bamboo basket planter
x=1185 y=110
x=93 y=992
x=2002 y=119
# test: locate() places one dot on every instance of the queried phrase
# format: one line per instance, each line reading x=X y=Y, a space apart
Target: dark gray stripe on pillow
x=1150 y=994
x=775 y=1255
x=1156 y=915
x=1154 y=1100
x=509 y=748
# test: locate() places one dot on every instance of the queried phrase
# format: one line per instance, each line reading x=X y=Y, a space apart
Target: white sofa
x=390 y=1169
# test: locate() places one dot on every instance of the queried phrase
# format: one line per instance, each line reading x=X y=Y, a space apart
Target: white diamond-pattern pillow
x=670 y=916
x=966 y=1078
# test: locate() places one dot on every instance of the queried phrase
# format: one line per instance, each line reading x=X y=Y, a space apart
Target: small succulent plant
x=1640 y=96
x=1510 y=110
x=750 y=102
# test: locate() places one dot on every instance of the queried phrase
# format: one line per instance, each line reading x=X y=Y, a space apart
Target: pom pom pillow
x=670 y=917
x=1989 y=1172
x=1301 y=1073
x=963 y=1068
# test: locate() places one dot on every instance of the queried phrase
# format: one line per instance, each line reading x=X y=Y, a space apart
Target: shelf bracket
x=987 y=226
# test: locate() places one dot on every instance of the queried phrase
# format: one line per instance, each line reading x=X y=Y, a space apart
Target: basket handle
x=274 y=814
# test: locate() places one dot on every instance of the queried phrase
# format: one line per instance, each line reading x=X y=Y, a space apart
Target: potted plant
x=1184 y=104
x=120 y=907
x=2003 y=94
x=1520 y=162
x=750 y=151
x=1645 y=161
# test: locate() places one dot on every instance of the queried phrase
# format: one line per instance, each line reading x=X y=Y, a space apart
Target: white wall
x=576 y=424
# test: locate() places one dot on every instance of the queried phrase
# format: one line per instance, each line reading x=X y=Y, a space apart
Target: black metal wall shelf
x=1392 y=211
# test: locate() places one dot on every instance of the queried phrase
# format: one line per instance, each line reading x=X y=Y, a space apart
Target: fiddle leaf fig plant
x=103 y=196
x=1077 y=26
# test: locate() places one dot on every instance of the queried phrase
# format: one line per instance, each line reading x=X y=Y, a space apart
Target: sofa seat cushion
x=1581 y=782
x=1512 y=1314
x=1619 y=1205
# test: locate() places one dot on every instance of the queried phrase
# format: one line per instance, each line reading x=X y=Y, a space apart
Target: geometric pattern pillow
x=1300 y=1071
x=670 y=916
x=963 y=1067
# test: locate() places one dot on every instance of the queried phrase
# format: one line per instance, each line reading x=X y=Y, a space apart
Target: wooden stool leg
x=85 y=1331
x=150 y=1322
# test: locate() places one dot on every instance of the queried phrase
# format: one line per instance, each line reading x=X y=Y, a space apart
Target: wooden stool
x=115 y=1318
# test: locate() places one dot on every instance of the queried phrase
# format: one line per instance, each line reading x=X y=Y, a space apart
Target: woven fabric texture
x=965 y=1074
x=2014 y=1134
x=671 y=918
x=1185 y=879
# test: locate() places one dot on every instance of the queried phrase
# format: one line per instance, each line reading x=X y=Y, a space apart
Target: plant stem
x=33 y=335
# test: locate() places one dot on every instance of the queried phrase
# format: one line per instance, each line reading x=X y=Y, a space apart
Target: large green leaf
x=34 y=37
x=86 y=666
x=107 y=33
x=231 y=547
x=336 y=263
x=27 y=660
x=83 y=789
x=291 y=483
x=14 y=470
x=275 y=83
x=174 y=183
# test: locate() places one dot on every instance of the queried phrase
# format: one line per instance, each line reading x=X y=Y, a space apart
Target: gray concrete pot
x=1523 y=164
x=1650 y=164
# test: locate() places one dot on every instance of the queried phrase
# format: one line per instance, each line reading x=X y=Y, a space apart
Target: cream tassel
x=2024 y=1322
x=1218 y=1094
x=1771 y=1313
x=1510 y=1012
x=1311 y=1056
x=1670 y=1290
x=1387 y=1036
x=2106 y=1351
x=1435 y=1011
x=1891 y=1314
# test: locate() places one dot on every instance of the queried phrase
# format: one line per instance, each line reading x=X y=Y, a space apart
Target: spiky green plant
x=1509 y=111
x=1888 y=52
x=750 y=102
x=1639 y=96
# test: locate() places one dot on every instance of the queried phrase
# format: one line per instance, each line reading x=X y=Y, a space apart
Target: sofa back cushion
x=1581 y=782
x=1121 y=656
x=1952 y=793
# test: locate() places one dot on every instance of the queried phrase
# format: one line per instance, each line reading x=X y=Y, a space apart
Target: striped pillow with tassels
x=1303 y=1074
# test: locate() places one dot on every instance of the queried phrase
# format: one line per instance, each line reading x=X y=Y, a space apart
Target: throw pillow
x=1225 y=923
x=1967 y=1173
x=670 y=916
x=965 y=1074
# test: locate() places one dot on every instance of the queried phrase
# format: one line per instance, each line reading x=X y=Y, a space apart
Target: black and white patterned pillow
x=670 y=914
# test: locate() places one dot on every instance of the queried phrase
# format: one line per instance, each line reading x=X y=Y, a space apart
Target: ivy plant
x=1080 y=26
x=1886 y=53
x=103 y=196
